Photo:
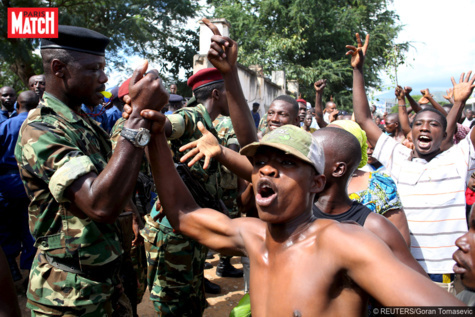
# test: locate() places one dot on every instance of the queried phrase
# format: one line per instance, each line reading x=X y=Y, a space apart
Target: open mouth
x=424 y=142
x=265 y=193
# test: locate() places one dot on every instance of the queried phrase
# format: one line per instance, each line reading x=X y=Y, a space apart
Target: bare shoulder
x=250 y=227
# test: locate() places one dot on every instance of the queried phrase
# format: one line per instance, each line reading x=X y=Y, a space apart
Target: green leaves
x=307 y=39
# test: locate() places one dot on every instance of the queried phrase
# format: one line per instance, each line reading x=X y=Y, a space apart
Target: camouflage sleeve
x=51 y=154
x=115 y=132
x=178 y=126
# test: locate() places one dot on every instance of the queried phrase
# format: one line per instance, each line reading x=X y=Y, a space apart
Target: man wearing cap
x=77 y=188
x=175 y=103
x=176 y=262
x=36 y=83
x=287 y=240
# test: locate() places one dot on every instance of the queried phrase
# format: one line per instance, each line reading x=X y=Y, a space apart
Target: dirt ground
x=232 y=290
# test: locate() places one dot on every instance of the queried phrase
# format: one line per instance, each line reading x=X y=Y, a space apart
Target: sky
x=443 y=39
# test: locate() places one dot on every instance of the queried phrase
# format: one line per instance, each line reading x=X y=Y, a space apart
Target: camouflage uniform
x=263 y=124
x=75 y=268
x=176 y=262
x=229 y=180
x=134 y=267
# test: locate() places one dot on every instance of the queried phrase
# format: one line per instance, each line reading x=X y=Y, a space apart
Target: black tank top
x=357 y=213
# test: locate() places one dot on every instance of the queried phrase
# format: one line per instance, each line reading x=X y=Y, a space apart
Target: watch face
x=142 y=138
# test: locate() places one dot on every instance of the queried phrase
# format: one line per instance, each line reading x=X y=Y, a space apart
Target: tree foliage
x=307 y=39
x=152 y=29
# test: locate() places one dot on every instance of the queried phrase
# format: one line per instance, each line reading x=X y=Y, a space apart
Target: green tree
x=307 y=39
x=152 y=29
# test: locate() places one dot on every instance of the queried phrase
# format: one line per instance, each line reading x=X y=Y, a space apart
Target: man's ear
x=339 y=169
x=216 y=94
x=58 y=68
x=318 y=184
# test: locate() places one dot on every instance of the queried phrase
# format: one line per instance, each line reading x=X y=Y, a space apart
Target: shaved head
x=339 y=146
x=28 y=100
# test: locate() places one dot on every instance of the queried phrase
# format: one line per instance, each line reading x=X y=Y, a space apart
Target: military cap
x=75 y=38
x=302 y=101
x=204 y=77
x=175 y=98
x=124 y=88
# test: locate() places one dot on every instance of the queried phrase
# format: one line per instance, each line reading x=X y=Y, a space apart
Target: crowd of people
x=106 y=193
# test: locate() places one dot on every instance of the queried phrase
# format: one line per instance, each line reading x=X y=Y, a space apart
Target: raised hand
x=223 y=50
x=463 y=89
x=450 y=95
x=146 y=90
x=399 y=92
x=425 y=96
x=407 y=90
x=358 y=54
x=207 y=146
x=319 y=85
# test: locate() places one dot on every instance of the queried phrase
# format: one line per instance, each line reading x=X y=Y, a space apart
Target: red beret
x=124 y=88
x=302 y=101
x=204 y=77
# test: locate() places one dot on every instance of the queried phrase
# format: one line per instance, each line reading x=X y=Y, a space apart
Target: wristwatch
x=139 y=138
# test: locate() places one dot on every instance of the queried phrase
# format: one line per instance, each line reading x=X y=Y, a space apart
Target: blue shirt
x=10 y=181
x=256 y=117
x=98 y=114
x=113 y=114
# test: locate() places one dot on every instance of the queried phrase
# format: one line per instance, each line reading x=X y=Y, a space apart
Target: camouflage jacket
x=56 y=146
x=229 y=181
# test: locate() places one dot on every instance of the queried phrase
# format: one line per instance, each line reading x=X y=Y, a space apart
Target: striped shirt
x=433 y=197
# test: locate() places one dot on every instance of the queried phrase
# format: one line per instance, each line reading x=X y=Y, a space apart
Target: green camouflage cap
x=294 y=141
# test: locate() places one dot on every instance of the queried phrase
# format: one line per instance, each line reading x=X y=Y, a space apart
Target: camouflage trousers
x=106 y=309
x=175 y=265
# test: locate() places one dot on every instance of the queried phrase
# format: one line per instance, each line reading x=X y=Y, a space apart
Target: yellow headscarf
x=354 y=128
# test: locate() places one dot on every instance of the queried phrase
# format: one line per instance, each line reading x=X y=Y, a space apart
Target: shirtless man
x=300 y=266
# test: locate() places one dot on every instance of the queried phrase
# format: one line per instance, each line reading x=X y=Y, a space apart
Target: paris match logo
x=32 y=22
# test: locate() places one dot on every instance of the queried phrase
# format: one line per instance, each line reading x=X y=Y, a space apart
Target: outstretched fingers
x=366 y=43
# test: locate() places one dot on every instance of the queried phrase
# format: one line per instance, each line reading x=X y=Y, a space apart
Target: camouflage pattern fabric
x=176 y=289
x=175 y=271
x=263 y=124
x=136 y=254
x=55 y=147
x=229 y=180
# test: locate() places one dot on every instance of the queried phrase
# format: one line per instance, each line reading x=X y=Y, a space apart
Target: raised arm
x=208 y=147
x=414 y=105
x=209 y=227
x=402 y=110
x=462 y=91
x=223 y=55
x=360 y=101
x=319 y=86
x=392 y=283
x=120 y=174
x=427 y=94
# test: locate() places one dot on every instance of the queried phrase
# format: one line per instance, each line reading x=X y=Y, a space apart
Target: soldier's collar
x=60 y=108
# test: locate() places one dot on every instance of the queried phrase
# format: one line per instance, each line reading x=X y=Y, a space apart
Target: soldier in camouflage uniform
x=69 y=174
x=283 y=110
x=176 y=262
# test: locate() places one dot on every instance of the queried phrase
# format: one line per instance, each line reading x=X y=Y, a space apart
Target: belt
x=73 y=266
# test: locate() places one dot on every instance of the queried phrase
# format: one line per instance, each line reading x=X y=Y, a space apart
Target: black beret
x=75 y=38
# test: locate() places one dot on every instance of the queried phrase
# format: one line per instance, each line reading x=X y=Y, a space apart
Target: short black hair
x=443 y=120
x=203 y=93
x=292 y=101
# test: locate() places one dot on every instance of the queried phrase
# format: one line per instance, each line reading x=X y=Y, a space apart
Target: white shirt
x=467 y=123
x=433 y=197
